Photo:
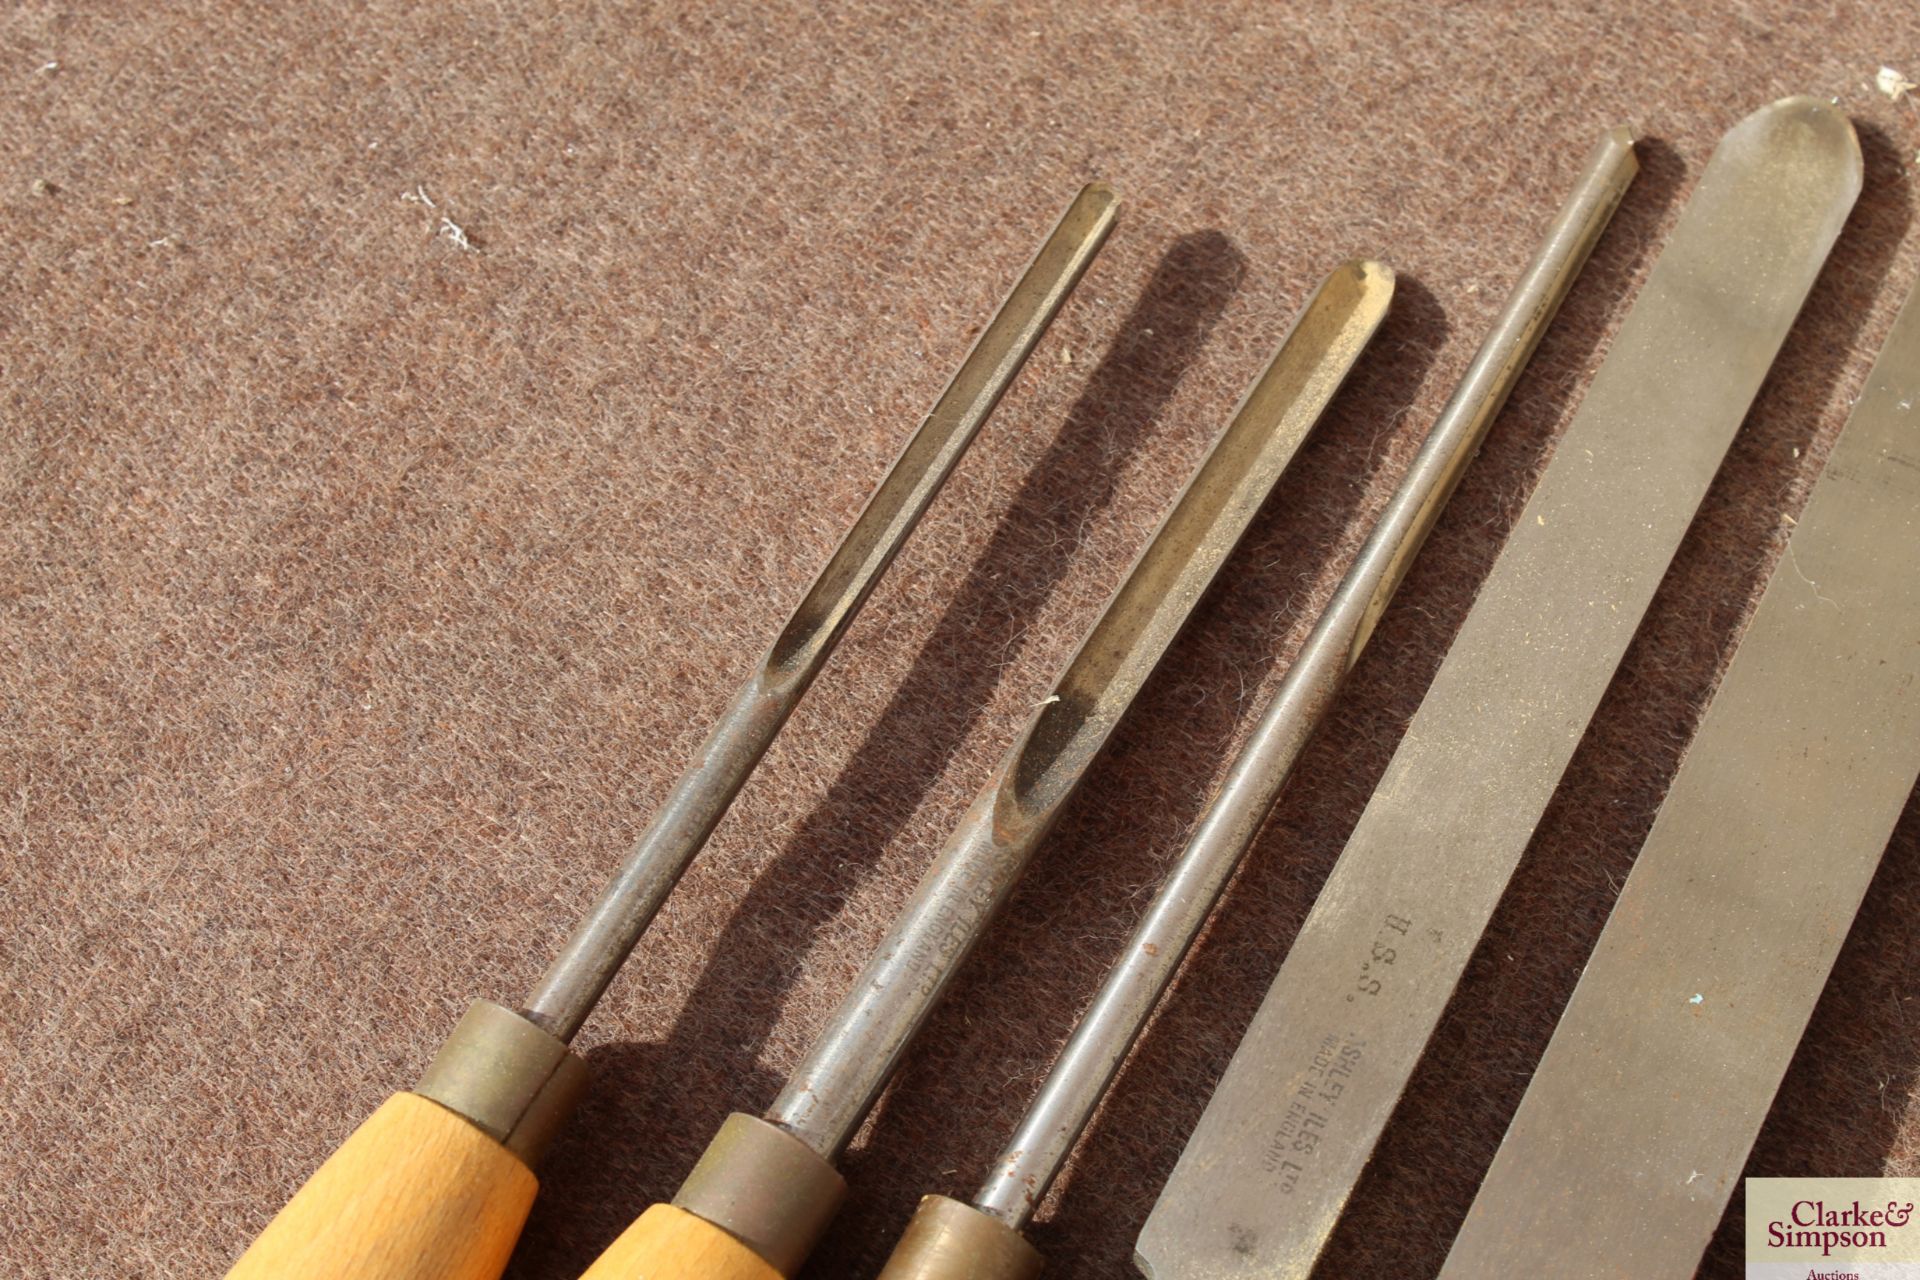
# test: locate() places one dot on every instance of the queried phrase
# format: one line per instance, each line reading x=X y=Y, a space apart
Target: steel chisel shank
x=1316 y=1078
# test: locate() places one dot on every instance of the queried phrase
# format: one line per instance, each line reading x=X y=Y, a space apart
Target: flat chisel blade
x=1633 y=1132
x=1296 y=1117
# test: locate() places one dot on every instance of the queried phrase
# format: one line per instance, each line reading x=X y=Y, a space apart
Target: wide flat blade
x=1296 y=1117
x=1633 y=1133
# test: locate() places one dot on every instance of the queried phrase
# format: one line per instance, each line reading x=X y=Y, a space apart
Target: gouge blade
x=1294 y=1120
x=1633 y=1132
x=771 y=1182
x=839 y=1079
x=600 y=943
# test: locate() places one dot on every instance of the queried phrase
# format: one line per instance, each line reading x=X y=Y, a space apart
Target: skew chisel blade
x=1289 y=1130
x=1633 y=1132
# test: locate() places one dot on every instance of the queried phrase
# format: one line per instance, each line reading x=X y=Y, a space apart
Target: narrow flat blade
x=1296 y=1116
x=1633 y=1132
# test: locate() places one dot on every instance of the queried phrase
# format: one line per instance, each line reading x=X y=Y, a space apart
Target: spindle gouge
x=436 y=1184
x=948 y=1240
x=765 y=1189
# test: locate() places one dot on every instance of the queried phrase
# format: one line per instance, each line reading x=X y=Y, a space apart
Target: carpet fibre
x=413 y=423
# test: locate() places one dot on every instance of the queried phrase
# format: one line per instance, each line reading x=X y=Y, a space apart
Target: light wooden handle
x=416 y=1193
x=668 y=1243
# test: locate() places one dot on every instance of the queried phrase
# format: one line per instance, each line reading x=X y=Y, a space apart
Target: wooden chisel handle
x=416 y=1193
x=668 y=1243
x=436 y=1184
x=751 y=1209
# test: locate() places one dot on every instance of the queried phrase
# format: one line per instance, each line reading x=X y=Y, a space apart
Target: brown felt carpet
x=361 y=589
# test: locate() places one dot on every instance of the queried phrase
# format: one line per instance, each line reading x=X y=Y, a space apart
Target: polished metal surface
x=832 y=1089
x=1053 y=1123
x=1295 y=1119
x=947 y=1240
x=766 y=1189
x=1667 y=1058
x=508 y=1077
x=590 y=958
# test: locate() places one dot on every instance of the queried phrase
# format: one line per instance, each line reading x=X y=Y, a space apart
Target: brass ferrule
x=508 y=1077
x=948 y=1240
x=766 y=1188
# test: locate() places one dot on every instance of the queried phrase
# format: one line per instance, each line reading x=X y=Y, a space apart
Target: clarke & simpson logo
x=1812 y=1225
x=1832 y=1229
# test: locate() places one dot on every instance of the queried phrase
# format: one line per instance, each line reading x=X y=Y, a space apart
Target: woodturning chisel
x=1296 y=1116
x=1667 y=1057
x=765 y=1189
x=948 y=1240
x=436 y=1184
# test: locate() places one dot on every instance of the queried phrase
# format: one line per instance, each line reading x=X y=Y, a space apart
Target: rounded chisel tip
x=1358 y=280
x=1804 y=129
x=1371 y=269
x=1096 y=202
